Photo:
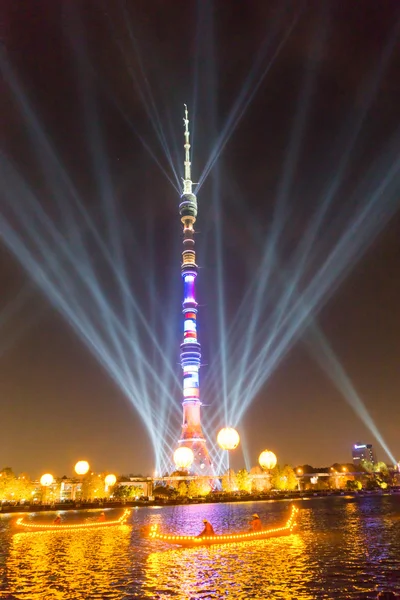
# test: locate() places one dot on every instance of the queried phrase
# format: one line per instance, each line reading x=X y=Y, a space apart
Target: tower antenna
x=187 y=182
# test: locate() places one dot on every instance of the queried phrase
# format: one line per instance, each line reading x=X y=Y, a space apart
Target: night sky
x=88 y=76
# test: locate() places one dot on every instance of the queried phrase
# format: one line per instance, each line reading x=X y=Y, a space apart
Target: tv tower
x=192 y=433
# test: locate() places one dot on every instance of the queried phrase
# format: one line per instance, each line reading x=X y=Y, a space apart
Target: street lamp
x=228 y=439
x=81 y=468
x=45 y=481
x=183 y=457
x=267 y=461
x=109 y=481
x=299 y=472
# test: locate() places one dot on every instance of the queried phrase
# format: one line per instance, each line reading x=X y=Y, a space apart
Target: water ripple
x=345 y=548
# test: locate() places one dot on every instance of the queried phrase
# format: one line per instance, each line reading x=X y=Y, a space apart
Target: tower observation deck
x=192 y=434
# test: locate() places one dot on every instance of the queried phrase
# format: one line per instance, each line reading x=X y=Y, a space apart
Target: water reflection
x=351 y=546
x=67 y=564
x=371 y=546
x=344 y=548
x=275 y=568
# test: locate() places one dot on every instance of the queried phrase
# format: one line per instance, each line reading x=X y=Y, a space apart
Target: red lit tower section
x=192 y=433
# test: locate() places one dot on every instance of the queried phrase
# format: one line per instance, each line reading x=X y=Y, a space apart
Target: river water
x=344 y=548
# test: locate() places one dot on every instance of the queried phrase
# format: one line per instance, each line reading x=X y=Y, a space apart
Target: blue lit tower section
x=192 y=434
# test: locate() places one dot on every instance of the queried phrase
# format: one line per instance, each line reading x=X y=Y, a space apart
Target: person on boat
x=208 y=529
x=57 y=520
x=255 y=523
x=102 y=517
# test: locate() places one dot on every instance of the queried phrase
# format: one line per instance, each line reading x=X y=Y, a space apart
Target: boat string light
x=290 y=525
x=119 y=521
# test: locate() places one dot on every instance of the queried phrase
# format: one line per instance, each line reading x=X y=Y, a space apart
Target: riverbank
x=216 y=498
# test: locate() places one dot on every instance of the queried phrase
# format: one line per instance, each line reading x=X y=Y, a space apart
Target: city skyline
x=359 y=463
x=88 y=101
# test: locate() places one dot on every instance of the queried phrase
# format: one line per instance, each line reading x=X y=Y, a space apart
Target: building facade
x=362 y=452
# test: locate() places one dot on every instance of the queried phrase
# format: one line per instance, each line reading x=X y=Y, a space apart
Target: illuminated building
x=363 y=452
x=192 y=434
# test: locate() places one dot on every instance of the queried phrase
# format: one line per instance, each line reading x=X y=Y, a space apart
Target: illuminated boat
x=29 y=526
x=229 y=538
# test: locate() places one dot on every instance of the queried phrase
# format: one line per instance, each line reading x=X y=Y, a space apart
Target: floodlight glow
x=267 y=460
x=143 y=88
x=246 y=95
x=62 y=267
x=62 y=289
x=366 y=224
x=81 y=467
x=46 y=479
x=329 y=362
x=183 y=457
x=251 y=365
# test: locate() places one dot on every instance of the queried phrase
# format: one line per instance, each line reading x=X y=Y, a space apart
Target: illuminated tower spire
x=187 y=182
x=192 y=434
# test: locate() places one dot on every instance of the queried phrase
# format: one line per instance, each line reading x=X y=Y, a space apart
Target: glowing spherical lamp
x=82 y=467
x=228 y=438
x=183 y=457
x=110 y=480
x=46 y=479
x=267 y=460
